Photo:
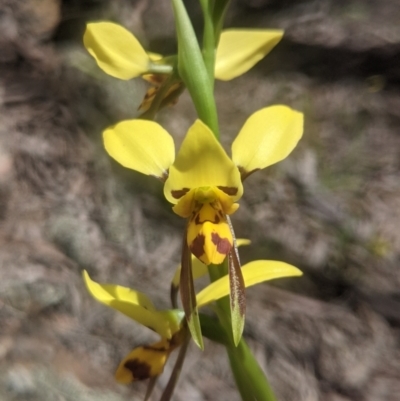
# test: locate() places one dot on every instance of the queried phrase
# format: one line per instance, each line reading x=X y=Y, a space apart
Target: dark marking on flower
x=215 y=221
x=244 y=174
x=223 y=245
x=197 y=246
x=177 y=194
x=140 y=370
x=228 y=190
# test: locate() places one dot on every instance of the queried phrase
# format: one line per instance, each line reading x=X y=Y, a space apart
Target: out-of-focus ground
x=332 y=208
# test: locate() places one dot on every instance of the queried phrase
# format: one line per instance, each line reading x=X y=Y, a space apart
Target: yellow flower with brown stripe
x=204 y=184
x=148 y=361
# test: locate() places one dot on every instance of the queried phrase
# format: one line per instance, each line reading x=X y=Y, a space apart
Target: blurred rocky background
x=332 y=208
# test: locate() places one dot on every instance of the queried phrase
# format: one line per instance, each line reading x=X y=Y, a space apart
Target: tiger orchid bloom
x=204 y=184
x=148 y=361
x=118 y=53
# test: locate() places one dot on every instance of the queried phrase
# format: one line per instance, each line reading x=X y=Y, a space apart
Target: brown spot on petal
x=197 y=246
x=229 y=190
x=140 y=370
x=223 y=245
x=177 y=194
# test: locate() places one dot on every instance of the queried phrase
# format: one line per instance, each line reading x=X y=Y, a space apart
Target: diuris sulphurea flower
x=119 y=54
x=204 y=184
x=148 y=361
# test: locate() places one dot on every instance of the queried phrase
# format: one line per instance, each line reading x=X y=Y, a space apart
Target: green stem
x=192 y=69
x=249 y=377
x=208 y=38
x=242 y=357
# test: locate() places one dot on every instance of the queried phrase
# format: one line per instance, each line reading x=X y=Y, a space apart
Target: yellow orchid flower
x=204 y=184
x=119 y=54
x=148 y=361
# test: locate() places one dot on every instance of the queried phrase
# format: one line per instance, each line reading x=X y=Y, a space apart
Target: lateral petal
x=140 y=145
x=240 y=49
x=267 y=137
x=201 y=162
x=116 y=51
x=134 y=305
x=254 y=272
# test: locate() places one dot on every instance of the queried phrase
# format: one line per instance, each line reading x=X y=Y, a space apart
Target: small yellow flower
x=119 y=54
x=145 y=361
x=148 y=361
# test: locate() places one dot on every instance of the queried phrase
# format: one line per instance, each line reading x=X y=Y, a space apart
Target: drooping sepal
x=169 y=389
x=237 y=292
x=188 y=296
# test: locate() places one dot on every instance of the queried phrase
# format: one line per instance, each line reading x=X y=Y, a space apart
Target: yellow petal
x=267 y=137
x=143 y=362
x=202 y=162
x=240 y=49
x=209 y=236
x=116 y=51
x=253 y=273
x=106 y=293
x=136 y=306
x=140 y=145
